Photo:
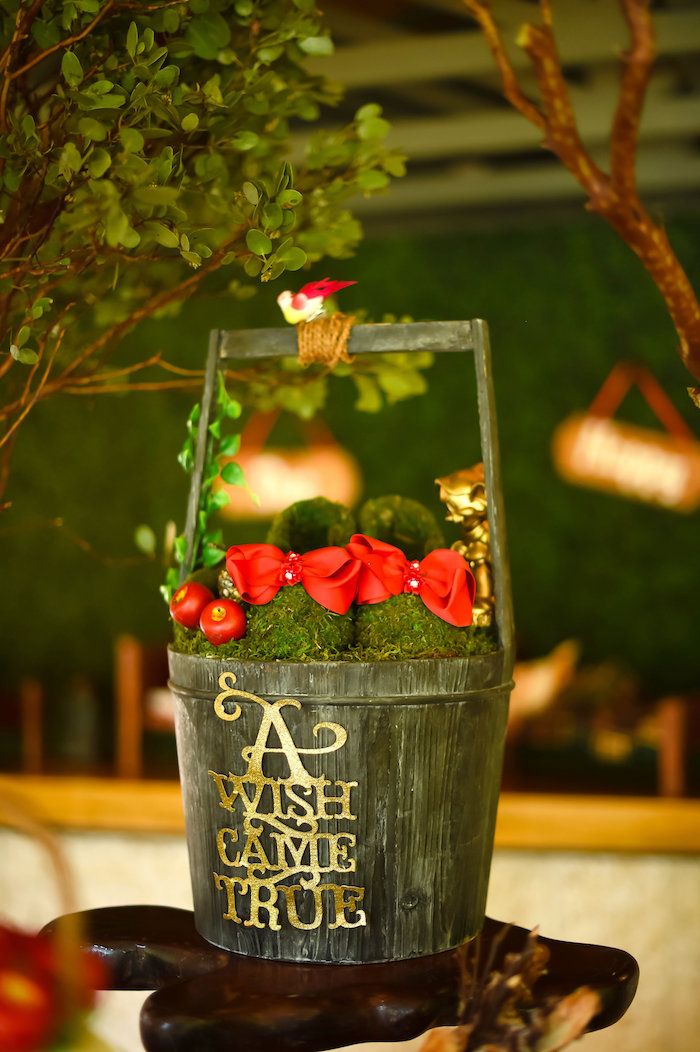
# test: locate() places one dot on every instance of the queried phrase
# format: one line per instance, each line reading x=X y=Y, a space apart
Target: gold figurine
x=464 y=495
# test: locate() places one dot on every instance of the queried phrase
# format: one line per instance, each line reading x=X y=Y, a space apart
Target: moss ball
x=293 y=627
x=402 y=628
x=404 y=522
x=196 y=643
x=310 y=524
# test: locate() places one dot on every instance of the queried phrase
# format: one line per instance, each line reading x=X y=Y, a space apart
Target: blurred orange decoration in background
x=280 y=476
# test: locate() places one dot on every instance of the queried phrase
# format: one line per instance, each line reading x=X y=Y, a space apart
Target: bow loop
x=443 y=579
x=328 y=575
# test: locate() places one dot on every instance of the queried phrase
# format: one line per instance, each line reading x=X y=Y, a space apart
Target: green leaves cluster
x=140 y=145
x=220 y=442
x=379 y=380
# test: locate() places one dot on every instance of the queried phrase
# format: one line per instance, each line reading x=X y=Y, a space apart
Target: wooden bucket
x=340 y=812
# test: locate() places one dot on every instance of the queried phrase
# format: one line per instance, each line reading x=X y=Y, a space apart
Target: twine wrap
x=325 y=340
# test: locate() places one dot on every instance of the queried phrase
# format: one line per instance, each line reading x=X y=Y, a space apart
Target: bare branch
x=511 y=89
x=614 y=196
x=635 y=78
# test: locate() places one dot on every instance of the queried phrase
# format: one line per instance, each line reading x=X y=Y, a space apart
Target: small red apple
x=222 y=621
x=188 y=602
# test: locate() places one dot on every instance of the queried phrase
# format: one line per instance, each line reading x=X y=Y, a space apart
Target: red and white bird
x=309 y=302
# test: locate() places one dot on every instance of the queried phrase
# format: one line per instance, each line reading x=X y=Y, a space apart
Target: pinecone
x=227 y=589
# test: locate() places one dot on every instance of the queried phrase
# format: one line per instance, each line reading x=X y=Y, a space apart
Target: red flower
x=34 y=1010
x=328 y=575
x=443 y=579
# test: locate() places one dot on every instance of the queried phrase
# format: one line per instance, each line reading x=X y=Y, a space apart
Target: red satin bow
x=443 y=579
x=328 y=575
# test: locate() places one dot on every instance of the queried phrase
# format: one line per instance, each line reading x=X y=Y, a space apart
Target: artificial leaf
x=71 y=69
x=232 y=473
x=258 y=242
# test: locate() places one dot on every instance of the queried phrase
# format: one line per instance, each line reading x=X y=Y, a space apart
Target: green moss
x=310 y=524
x=294 y=627
x=404 y=522
x=402 y=628
x=195 y=642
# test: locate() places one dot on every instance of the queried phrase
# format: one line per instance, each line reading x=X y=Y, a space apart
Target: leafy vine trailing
x=207 y=550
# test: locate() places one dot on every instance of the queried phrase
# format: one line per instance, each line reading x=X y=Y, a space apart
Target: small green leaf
x=132 y=39
x=272 y=216
x=317 y=45
x=245 y=140
x=232 y=474
x=70 y=160
x=374 y=128
x=163 y=235
x=23 y=335
x=190 y=122
x=180 y=548
x=99 y=162
x=208 y=34
x=250 y=192
x=71 y=69
x=258 y=242
x=212 y=556
x=145 y=539
x=91 y=129
x=230 y=444
x=368 y=111
x=24 y=355
x=270 y=54
x=217 y=500
x=156 y=195
x=369 y=398
x=289 y=198
x=253 y=266
x=193 y=418
x=131 y=139
x=372 y=179
x=294 y=258
x=215 y=428
x=185 y=457
x=29 y=128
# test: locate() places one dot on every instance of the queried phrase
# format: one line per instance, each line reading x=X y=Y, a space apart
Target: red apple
x=222 y=621
x=188 y=602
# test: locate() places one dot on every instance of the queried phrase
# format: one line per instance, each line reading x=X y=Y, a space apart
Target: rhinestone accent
x=412 y=579
x=290 y=571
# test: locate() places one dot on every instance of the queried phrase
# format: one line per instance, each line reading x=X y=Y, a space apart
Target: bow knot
x=328 y=575
x=443 y=579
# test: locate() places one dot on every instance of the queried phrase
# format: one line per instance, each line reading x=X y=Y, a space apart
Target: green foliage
x=380 y=380
x=310 y=524
x=402 y=627
x=144 y=147
x=404 y=522
x=207 y=548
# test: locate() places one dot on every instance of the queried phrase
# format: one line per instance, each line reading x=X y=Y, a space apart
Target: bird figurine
x=309 y=302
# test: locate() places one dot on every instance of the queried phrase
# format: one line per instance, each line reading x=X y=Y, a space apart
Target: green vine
x=207 y=548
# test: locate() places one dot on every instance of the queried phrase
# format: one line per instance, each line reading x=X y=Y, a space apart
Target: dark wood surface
x=424 y=747
x=208 y=1000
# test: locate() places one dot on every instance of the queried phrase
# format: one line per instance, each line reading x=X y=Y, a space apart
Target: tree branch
x=613 y=196
x=65 y=43
x=511 y=89
x=635 y=78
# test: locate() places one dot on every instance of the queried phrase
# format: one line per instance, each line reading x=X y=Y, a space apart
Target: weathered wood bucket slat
x=344 y=811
